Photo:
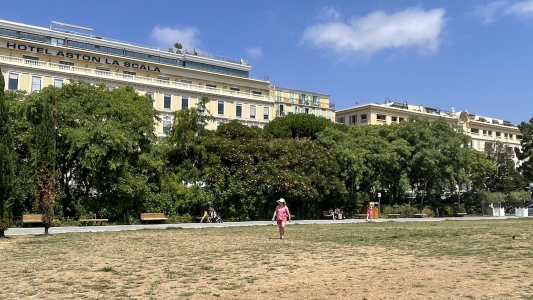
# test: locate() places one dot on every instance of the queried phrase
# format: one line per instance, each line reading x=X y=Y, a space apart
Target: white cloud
x=330 y=13
x=524 y=8
x=503 y=8
x=410 y=28
x=165 y=37
x=488 y=12
x=254 y=52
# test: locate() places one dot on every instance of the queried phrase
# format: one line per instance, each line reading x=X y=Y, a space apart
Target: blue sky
x=475 y=55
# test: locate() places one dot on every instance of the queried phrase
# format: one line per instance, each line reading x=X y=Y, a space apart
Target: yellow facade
x=480 y=129
x=291 y=101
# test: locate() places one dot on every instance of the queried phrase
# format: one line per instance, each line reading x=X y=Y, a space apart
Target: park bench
x=94 y=221
x=393 y=215
x=153 y=217
x=460 y=214
x=327 y=215
x=359 y=216
x=29 y=219
x=419 y=215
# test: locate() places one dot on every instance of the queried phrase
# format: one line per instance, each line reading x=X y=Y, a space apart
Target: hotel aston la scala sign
x=74 y=55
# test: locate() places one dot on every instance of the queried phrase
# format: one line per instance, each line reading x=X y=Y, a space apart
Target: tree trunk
x=2 y=233
x=46 y=229
x=423 y=195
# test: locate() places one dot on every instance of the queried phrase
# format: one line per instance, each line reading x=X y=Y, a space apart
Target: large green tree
x=7 y=179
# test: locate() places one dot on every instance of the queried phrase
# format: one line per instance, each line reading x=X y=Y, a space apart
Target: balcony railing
x=128 y=79
x=302 y=102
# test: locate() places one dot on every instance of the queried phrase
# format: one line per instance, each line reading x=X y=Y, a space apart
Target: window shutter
x=35 y=84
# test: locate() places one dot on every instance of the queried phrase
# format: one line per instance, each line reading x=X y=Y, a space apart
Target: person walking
x=368 y=211
x=281 y=213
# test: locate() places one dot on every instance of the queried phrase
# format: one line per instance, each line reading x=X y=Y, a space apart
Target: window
x=363 y=117
x=474 y=131
x=66 y=63
x=353 y=119
x=318 y=112
x=106 y=69
x=518 y=137
x=498 y=134
x=307 y=110
x=166 y=101
x=302 y=99
x=510 y=135
x=400 y=119
x=381 y=117
x=160 y=77
x=256 y=93
x=151 y=95
x=394 y=119
x=297 y=110
x=279 y=96
x=341 y=120
x=220 y=107
x=281 y=110
x=58 y=82
x=252 y=111
x=506 y=135
x=315 y=100
x=30 y=57
x=291 y=97
x=211 y=86
x=234 y=89
x=166 y=126
x=35 y=84
x=13 y=82
x=328 y=114
x=238 y=110
x=184 y=103
x=186 y=81
x=129 y=73
x=490 y=132
x=266 y=112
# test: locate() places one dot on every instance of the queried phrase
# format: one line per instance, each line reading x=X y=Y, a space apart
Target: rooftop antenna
x=71 y=26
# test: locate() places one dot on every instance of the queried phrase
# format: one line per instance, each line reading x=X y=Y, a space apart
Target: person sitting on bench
x=207 y=211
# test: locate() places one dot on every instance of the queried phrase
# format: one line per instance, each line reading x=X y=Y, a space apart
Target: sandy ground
x=250 y=263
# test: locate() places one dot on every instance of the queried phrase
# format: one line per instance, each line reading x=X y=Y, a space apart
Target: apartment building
x=292 y=101
x=480 y=129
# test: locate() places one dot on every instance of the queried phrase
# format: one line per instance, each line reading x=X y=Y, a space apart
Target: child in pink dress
x=281 y=212
x=368 y=211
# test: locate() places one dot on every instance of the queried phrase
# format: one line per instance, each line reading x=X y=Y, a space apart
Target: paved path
x=56 y=230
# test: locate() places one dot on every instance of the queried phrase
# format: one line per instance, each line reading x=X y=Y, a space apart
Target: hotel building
x=480 y=129
x=35 y=57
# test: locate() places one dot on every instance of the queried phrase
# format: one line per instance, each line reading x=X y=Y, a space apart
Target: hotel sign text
x=82 y=57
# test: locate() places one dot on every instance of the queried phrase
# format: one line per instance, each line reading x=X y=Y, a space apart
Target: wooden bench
x=393 y=215
x=153 y=217
x=359 y=216
x=460 y=214
x=327 y=215
x=94 y=221
x=419 y=215
x=29 y=219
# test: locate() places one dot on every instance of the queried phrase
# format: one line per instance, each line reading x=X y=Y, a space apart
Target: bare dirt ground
x=418 y=260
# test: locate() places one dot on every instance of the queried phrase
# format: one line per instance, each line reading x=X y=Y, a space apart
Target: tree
x=505 y=177
x=42 y=115
x=178 y=46
x=6 y=162
x=434 y=161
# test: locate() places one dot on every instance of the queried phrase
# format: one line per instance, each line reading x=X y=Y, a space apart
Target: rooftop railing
x=304 y=102
x=184 y=51
x=128 y=78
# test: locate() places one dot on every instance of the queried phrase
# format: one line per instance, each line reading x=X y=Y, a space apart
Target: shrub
x=460 y=209
x=56 y=223
x=428 y=211
x=175 y=219
x=406 y=210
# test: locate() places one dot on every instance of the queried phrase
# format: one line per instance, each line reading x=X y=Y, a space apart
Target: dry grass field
x=413 y=260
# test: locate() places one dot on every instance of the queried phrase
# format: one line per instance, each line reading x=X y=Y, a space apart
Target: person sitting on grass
x=207 y=212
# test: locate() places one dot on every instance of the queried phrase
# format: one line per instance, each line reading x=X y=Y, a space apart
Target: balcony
x=125 y=78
